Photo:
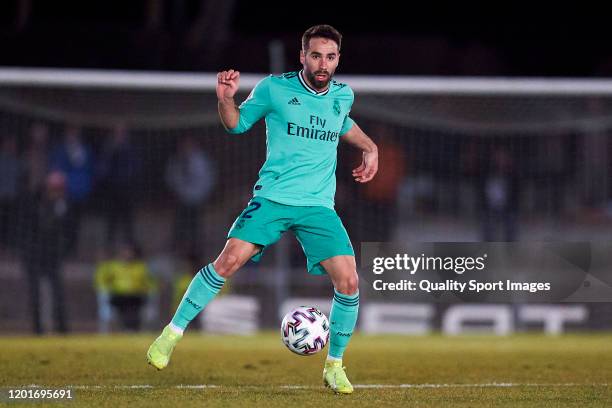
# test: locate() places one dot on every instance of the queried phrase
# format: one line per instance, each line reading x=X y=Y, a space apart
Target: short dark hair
x=321 y=31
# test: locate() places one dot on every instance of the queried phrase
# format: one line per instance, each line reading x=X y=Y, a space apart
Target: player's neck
x=307 y=81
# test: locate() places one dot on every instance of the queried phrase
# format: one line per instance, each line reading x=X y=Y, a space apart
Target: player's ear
x=302 y=57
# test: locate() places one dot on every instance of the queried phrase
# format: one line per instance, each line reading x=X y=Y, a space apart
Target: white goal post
x=113 y=79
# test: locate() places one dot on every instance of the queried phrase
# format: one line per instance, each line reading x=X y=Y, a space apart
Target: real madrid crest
x=336 y=107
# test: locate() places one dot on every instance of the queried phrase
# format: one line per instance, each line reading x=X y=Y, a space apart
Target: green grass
x=568 y=371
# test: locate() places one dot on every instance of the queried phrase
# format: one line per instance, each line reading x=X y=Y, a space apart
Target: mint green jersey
x=303 y=128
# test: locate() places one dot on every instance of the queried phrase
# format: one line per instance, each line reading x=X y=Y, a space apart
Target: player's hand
x=227 y=84
x=368 y=168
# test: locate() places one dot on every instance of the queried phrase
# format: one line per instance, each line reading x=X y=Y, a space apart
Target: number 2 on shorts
x=255 y=206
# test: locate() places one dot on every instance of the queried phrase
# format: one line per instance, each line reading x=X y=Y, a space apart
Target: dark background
x=403 y=38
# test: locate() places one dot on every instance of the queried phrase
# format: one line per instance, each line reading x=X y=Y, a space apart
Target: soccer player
x=306 y=115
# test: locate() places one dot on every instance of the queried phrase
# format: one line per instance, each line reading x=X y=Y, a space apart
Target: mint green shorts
x=318 y=229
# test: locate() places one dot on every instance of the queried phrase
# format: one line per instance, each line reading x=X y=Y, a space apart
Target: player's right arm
x=227 y=86
x=257 y=105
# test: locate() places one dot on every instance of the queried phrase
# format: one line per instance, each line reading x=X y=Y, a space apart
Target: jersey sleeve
x=347 y=125
x=254 y=107
x=348 y=122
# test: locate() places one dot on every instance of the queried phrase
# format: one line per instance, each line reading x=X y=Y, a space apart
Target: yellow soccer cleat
x=160 y=351
x=334 y=377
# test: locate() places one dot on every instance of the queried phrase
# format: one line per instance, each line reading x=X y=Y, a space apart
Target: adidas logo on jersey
x=294 y=101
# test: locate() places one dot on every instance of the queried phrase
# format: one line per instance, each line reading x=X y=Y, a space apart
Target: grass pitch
x=433 y=371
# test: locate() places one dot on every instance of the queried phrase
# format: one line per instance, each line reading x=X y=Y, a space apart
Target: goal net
x=461 y=160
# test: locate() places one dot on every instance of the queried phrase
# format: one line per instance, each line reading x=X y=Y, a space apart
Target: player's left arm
x=369 y=164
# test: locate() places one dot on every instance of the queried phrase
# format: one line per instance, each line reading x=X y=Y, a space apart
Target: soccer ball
x=305 y=330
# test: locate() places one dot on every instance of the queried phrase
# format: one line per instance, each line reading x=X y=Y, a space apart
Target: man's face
x=320 y=61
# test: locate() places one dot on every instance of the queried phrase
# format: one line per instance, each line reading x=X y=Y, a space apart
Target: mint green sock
x=342 y=318
x=203 y=288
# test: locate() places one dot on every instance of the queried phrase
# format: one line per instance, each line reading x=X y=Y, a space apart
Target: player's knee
x=226 y=265
x=353 y=284
x=349 y=285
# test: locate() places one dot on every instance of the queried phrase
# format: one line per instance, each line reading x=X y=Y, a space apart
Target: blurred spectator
x=75 y=159
x=499 y=197
x=36 y=158
x=42 y=239
x=119 y=172
x=190 y=175
x=105 y=313
x=11 y=167
x=125 y=283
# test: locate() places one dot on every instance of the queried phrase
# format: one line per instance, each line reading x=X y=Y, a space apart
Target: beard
x=312 y=78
